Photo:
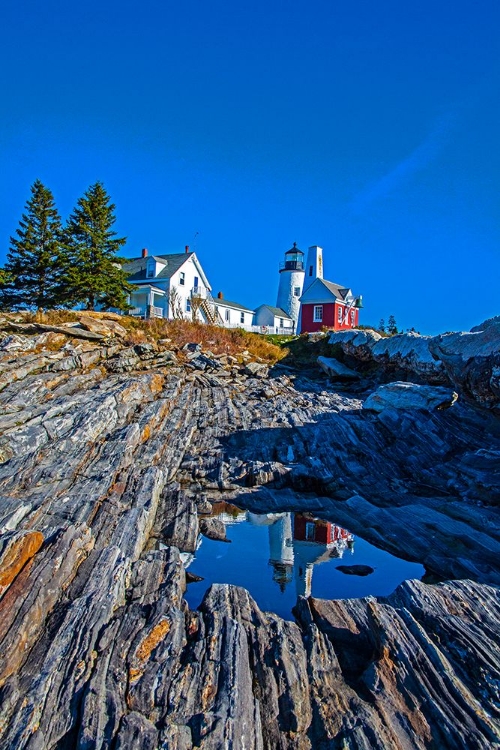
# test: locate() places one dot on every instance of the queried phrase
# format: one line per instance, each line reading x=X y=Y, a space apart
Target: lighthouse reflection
x=276 y=556
x=297 y=543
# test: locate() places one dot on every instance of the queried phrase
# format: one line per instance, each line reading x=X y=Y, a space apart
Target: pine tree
x=381 y=325
x=96 y=275
x=35 y=265
x=392 y=327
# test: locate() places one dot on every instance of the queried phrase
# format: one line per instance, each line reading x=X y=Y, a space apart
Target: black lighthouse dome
x=294 y=259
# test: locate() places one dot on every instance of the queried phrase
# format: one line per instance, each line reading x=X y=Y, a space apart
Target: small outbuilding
x=273 y=320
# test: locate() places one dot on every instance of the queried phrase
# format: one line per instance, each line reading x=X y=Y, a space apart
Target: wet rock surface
x=105 y=476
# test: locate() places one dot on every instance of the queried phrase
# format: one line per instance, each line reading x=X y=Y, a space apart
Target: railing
x=292 y=265
x=146 y=311
x=137 y=312
x=200 y=291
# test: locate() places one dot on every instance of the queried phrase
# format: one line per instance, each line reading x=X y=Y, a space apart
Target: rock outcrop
x=407 y=352
x=107 y=474
x=469 y=362
x=336 y=370
x=472 y=362
x=410 y=396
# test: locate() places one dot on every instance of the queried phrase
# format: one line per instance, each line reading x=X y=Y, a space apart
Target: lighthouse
x=291 y=282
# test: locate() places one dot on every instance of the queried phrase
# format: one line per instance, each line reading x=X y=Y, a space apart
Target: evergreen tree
x=391 y=325
x=35 y=265
x=5 y=280
x=381 y=325
x=95 y=273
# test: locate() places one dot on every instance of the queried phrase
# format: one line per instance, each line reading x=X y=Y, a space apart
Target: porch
x=149 y=302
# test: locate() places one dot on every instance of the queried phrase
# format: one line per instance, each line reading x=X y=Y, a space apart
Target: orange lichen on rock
x=134 y=674
x=156 y=382
x=152 y=640
x=18 y=550
x=146 y=433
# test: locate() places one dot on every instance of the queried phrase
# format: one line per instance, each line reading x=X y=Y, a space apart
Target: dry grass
x=230 y=341
x=51 y=317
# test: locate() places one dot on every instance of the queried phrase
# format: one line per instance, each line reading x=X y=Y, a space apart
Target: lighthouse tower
x=291 y=282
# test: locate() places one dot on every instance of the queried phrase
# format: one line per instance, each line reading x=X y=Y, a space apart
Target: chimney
x=186 y=248
x=314 y=266
x=220 y=295
x=144 y=252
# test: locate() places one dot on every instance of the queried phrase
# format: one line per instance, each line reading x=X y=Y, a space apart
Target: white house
x=234 y=315
x=171 y=286
x=273 y=320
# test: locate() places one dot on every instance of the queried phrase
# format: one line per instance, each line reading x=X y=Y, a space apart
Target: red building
x=328 y=305
x=309 y=529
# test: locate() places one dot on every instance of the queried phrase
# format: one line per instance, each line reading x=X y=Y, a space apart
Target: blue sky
x=369 y=128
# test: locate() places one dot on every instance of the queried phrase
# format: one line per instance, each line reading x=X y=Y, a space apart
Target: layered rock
x=104 y=474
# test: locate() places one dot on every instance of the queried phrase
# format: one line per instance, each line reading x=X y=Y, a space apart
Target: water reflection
x=276 y=556
x=298 y=542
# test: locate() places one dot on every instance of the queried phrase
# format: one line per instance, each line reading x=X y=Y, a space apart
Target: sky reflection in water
x=277 y=556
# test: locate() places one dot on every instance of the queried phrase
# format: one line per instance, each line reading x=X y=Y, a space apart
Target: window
x=318 y=313
x=182 y=279
x=150 y=272
x=227 y=315
x=188 y=305
x=353 y=317
x=242 y=317
x=340 y=314
x=282 y=323
x=296 y=291
x=195 y=283
x=310 y=531
x=310 y=270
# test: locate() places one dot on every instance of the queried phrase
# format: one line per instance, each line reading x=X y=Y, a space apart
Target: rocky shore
x=112 y=454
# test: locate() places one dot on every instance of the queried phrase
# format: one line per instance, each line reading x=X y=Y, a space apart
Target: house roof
x=339 y=291
x=149 y=286
x=136 y=267
x=321 y=290
x=236 y=305
x=277 y=311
